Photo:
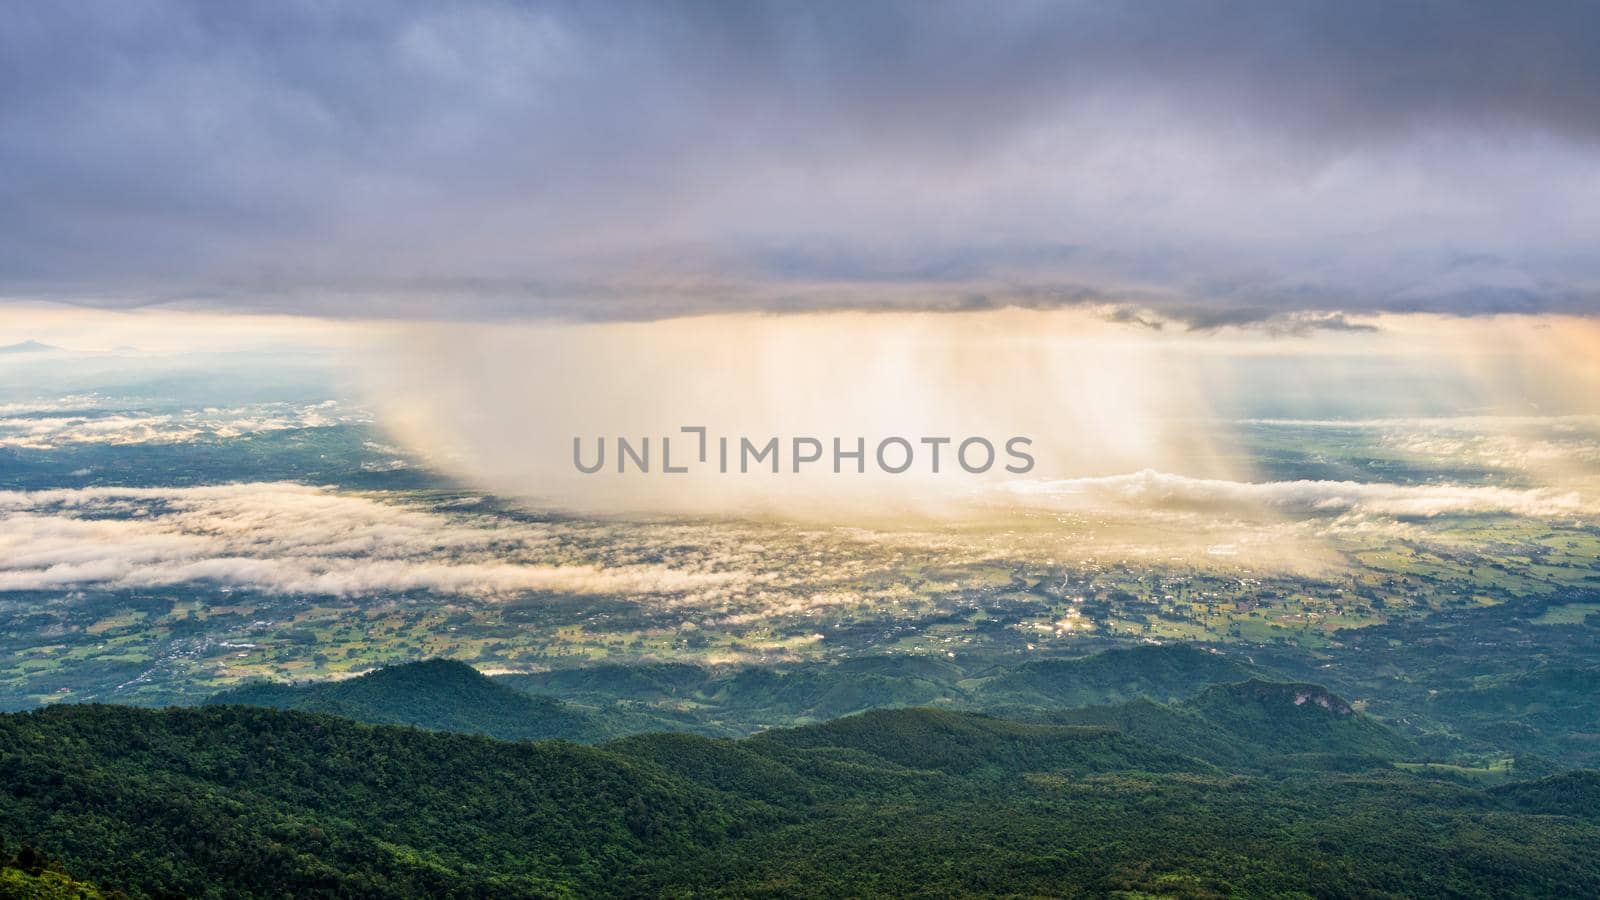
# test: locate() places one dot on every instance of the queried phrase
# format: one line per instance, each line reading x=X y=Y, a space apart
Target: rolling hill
x=740 y=700
x=436 y=694
x=1287 y=718
x=230 y=800
x=969 y=744
x=1163 y=673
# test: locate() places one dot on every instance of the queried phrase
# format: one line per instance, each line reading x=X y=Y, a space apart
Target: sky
x=1124 y=231
x=1287 y=165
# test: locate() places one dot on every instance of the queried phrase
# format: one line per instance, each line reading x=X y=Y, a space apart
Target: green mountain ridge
x=594 y=704
x=437 y=694
x=1247 y=724
x=232 y=800
x=1170 y=727
x=1166 y=673
x=1575 y=793
x=745 y=699
x=1289 y=718
x=967 y=743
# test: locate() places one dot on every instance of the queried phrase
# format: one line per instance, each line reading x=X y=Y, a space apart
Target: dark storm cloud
x=1215 y=162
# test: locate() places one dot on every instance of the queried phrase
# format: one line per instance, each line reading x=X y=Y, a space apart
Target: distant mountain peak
x=1296 y=717
x=439 y=694
x=1288 y=693
x=28 y=346
x=1167 y=673
x=437 y=667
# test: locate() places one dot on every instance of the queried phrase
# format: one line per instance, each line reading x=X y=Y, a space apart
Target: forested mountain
x=1164 y=673
x=740 y=700
x=602 y=702
x=437 y=694
x=229 y=800
x=1279 y=718
x=743 y=699
x=1478 y=718
x=967 y=744
x=1248 y=724
x=28 y=874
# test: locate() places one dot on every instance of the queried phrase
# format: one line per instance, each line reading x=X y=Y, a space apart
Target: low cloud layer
x=1271 y=162
x=298 y=540
x=286 y=538
x=1156 y=490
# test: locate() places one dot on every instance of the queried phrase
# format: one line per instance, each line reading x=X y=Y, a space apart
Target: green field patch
x=1567 y=614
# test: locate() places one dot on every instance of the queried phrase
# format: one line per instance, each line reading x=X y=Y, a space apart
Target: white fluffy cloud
x=1156 y=490
x=295 y=539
